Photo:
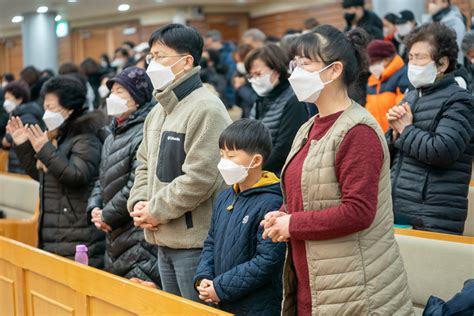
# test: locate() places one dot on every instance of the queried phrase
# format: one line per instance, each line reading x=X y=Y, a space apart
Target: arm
x=77 y=169
x=95 y=200
x=205 y=269
x=115 y=212
x=139 y=191
x=358 y=166
x=294 y=115
x=26 y=155
x=446 y=143
x=256 y=272
x=201 y=177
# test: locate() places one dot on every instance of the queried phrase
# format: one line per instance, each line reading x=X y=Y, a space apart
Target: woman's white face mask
x=262 y=84
x=53 y=120
x=308 y=85
x=116 y=106
x=421 y=76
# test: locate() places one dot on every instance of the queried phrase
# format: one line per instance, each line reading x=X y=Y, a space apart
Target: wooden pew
x=436 y=264
x=19 y=199
x=34 y=282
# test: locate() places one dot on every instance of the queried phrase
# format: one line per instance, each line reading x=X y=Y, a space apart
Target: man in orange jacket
x=388 y=81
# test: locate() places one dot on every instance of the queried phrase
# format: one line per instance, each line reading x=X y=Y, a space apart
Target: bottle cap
x=81 y=248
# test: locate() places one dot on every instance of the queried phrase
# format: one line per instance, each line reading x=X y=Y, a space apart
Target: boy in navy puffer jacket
x=238 y=270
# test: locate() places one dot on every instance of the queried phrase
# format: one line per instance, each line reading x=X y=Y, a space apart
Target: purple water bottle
x=81 y=255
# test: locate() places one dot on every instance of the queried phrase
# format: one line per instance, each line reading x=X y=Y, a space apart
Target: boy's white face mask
x=232 y=172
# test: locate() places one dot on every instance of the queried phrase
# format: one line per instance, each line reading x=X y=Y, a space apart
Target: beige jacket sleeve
x=201 y=177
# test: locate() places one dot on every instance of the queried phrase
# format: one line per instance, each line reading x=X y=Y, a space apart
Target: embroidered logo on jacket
x=245 y=220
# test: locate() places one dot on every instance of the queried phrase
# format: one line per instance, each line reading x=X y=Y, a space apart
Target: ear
x=257 y=161
x=443 y=64
x=189 y=63
x=336 y=71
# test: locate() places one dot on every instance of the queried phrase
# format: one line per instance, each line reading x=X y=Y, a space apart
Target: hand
x=239 y=82
x=145 y=283
x=406 y=120
x=207 y=292
x=97 y=220
x=399 y=117
x=17 y=130
x=270 y=218
x=142 y=217
x=280 y=230
x=37 y=137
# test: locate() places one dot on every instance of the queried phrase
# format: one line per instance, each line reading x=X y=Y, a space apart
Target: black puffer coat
x=29 y=113
x=433 y=159
x=73 y=168
x=127 y=254
x=283 y=114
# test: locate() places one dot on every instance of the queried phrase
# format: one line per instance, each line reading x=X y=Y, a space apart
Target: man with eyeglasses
x=177 y=178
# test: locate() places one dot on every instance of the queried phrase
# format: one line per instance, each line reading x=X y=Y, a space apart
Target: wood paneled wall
x=95 y=40
x=277 y=24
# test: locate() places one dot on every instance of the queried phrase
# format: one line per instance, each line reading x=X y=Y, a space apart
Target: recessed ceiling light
x=58 y=18
x=42 y=9
x=159 y=1
x=71 y=1
x=123 y=7
x=17 y=19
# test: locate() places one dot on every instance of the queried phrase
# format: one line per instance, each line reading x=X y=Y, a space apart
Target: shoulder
x=88 y=123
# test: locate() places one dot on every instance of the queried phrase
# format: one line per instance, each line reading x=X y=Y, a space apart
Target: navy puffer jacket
x=433 y=159
x=246 y=270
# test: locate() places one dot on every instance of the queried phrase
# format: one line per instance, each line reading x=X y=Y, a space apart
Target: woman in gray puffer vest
x=127 y=253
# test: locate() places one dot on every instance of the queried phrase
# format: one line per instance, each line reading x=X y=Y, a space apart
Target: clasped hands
x=142 y=217
x=276 y=226
x=399 y=117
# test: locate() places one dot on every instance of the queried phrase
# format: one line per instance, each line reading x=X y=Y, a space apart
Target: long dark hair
x=328 y=44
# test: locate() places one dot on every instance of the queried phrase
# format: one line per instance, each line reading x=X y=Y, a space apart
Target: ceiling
x=87 y=9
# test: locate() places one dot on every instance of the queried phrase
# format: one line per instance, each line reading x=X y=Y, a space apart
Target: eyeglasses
x=298 y=62
x=156 y=58
x=257 y=75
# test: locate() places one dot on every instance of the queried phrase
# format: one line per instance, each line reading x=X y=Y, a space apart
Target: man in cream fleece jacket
x=177 y=179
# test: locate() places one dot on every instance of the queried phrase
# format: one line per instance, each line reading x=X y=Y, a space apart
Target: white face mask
x=53 y=120
x=262 y=85
x=116 y=63
x=241 y=68
x=377 y=70
x=162 y=76
x=9 y=106
x=403 y=29
x=421 y=76
x=232 y=172
x=116 y=106
x=4 y=84
x=103 y=91
x=307 y=85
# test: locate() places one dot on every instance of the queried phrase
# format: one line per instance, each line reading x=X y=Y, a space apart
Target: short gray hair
x=255 y=34
x=468 y=42
x=215 y=35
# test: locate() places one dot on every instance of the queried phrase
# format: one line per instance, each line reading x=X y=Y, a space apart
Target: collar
x=440 y=83
x=441 y=14
x=282 y=85
x=268 y=178
x=178 y=90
